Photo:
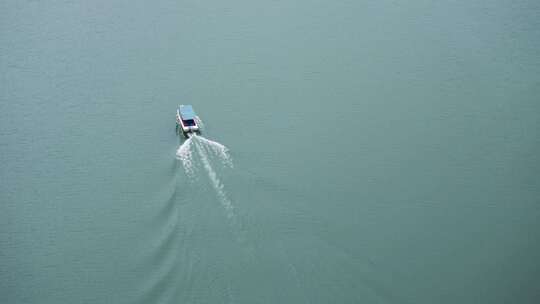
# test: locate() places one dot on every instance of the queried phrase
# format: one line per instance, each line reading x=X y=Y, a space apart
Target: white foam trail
x=205 y=149
x=218 y=149
x=216 y=183
x=185 y=154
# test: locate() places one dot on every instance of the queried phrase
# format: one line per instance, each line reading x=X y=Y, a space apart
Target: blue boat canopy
x=186 y=112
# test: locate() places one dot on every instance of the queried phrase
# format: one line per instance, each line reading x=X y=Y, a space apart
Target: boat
x=186 y=119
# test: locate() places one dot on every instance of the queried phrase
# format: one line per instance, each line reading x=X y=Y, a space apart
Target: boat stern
x=187 y=120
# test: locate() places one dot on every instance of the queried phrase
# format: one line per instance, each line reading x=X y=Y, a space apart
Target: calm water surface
x=382 y=152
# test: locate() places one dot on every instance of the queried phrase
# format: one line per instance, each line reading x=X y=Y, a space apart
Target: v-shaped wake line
x=185 y=155
x=220 y=150
x=185 y=152
x=197 y=152
x=216 y=182
x=203 y=147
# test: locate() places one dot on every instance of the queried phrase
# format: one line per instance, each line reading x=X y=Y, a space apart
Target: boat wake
x=204 y=146
x=203 y=149
x=216 y=182
x=200 y=154
x=185 y=155
x=218 y=149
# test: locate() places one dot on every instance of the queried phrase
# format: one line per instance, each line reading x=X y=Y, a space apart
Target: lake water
x=377 y=152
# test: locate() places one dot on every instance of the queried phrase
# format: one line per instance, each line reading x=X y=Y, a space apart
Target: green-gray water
x=382 y=152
